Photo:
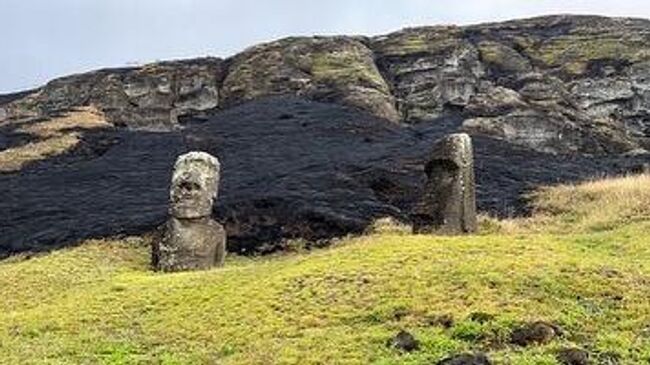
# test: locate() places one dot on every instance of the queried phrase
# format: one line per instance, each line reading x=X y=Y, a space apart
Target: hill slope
x=99 y=303
x=291 y=169
x=319 y=136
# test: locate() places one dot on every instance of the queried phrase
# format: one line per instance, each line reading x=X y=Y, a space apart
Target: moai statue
x=191 y=239
x=449 y=201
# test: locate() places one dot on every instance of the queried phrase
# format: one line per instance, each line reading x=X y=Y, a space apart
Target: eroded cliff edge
x=556 y=84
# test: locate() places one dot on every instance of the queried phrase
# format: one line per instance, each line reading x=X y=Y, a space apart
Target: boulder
x=449 y=202
x=573 y=356
x=404 y=341
x=536 y=333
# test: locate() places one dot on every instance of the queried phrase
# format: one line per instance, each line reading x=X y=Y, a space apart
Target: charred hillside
x=320 y=136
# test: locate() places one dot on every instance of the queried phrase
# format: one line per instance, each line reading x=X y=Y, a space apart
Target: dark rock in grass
x=449 y=201
x=573 y=356
x=404 y=341
x=481 y=317
x=534 y=334
x=466 y=359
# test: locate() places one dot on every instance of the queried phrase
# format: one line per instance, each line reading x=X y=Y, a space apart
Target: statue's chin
x=190 y=211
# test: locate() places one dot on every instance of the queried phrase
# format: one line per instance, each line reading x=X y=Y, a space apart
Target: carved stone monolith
x=191 y=239
x=449 y=201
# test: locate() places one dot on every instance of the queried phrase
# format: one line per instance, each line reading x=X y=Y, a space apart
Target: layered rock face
x=148 y=97
x=556 y=84
x=559 y=84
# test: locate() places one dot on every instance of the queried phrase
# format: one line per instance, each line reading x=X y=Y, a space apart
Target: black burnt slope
x=290 y=168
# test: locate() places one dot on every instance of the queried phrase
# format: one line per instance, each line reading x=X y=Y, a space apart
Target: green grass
x=100 y=303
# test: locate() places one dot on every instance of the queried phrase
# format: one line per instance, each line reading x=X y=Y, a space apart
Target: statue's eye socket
x=189 y=186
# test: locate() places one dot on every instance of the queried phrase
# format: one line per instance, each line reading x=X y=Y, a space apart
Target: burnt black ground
x=290 y=168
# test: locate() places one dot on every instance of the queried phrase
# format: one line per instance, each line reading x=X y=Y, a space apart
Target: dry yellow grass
x=14 y=159
x=82 y=118
x=57 y=135
x=583 y=207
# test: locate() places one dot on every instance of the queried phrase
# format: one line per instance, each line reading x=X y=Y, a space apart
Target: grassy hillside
x=582 y=262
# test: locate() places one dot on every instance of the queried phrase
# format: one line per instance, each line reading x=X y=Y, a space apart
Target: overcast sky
x=43 y=39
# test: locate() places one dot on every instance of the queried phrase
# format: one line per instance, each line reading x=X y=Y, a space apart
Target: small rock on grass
x=573 y=356
x=404 y=341
x=536 y=333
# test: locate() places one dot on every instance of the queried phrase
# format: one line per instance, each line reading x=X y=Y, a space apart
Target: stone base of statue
x=190 y=244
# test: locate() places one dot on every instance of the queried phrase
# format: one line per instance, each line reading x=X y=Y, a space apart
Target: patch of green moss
x=417 y=40
x=503 y=57
x=347 y=67
x=573 y=53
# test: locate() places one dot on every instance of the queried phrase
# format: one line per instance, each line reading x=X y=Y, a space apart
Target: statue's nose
x=188 y=186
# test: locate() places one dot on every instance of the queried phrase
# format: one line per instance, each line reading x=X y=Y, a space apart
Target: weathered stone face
x=190 y=244
x=449 y=202
x=190 y=239
x=194 y=185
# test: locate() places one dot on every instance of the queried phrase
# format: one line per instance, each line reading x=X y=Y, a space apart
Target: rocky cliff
x=320 y=135
x=557 y=84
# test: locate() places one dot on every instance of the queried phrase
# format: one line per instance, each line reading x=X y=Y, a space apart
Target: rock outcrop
x=431 y=70
x=559 y=84
x=556 y=84
x=148 y=97
x=331 y=69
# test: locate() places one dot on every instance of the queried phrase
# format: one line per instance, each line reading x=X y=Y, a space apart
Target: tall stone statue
x=191 y=239
x=449 y=201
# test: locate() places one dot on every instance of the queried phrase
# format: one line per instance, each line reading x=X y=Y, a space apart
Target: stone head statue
x=195 y=183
